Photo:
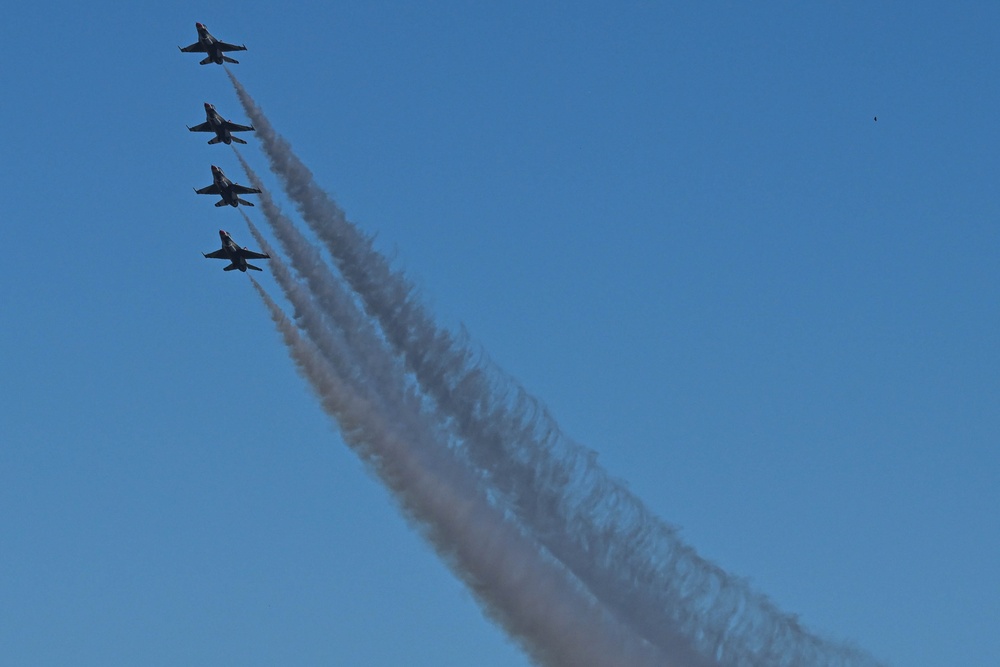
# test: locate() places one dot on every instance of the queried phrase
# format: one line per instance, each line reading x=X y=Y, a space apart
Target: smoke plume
x=531 y=596
x=630 y=560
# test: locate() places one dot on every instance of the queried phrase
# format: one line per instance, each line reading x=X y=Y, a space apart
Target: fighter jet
x=236 y=255
x=223 y=128
x=213 y=47
x=225 y=188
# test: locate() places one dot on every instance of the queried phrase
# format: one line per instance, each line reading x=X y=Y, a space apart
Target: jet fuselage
x=233 y=251
x=225 y=187
x=206 y=40
x=218 y=124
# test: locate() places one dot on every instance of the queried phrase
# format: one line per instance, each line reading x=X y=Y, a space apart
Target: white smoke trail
x=630 y=559
x=341 y=312
x=532 y=597
x=333 y=348
x=335 y=333
x=329 y=341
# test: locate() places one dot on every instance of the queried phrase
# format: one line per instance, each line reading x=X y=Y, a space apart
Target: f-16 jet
x=213 y=47
x=236 y=255
x=223 y=128
x=225 y=188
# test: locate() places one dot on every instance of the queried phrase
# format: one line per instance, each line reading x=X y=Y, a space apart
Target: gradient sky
x=681 y=228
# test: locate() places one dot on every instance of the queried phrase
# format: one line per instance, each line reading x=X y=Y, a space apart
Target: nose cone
x=199 y=26
x=208 y=106
x=215 y=170
x=223 y=234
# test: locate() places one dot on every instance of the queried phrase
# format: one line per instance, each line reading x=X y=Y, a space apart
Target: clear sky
x=681 y=228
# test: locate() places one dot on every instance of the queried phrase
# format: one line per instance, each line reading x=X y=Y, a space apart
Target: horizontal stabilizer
x=206 y=61
x=244 y=202
x=230 y=60
x=230 y=267
x=221 y=202
x=238 y=140
x=255 y=268
x=214 y=140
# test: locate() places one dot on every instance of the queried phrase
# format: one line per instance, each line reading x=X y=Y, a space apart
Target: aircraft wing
x=212 y=189
x=218 y=254
x=194 y=48
x=250 y=254
x=234 y=127
x=222 y=46
x=244 y=190
x=204 y=127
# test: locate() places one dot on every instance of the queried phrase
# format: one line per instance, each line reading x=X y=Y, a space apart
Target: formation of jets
x=223 y=129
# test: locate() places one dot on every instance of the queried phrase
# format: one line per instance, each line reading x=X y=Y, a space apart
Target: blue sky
x=681 y=228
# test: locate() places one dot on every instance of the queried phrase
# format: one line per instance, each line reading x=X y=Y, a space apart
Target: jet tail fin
x=231 y=60
x=244 y=202
x=238 y=140
x=255 y=268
